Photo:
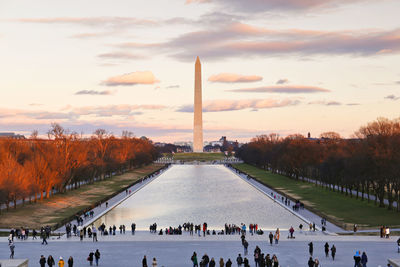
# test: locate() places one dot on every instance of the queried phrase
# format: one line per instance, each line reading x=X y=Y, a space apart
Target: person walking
x=228 y=263
x=310 y=248
x=44 y=237
x=61 y=262
x=245 y=246
x=42 y=261
x=221 y=262
x=333 y=252
x=316 y=263
x=90 y=258
x=239 y=260
x=357 y=259
x=50 y=261
x=70 y=261
x=12 y=249
x=144 y=261
x=97 y=257
x=326 y=249
x=194 y=260
x=364 y=259
x=154 y=263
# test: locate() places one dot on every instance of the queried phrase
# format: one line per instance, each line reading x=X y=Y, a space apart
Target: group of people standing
x=51 y=262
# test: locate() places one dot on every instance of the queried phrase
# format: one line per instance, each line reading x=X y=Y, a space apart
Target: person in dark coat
x=245 y=246
x=246 y=262
x=228 y=263
x=70 y=262
x=90 y=258
x=268 y=261
x=310 y=262
x=311 y=248
x=271 y=237
x=144 y=261
x=212 y=263
x=357 y=259
x=42 y=261
x=333 y=252
x=50 y=261
x=97 y=257
x=326 y=249
x=239 y=260
x=364 y=259
x=205 y=259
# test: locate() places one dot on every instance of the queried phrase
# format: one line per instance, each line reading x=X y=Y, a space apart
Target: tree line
x=368 y=163
x=34 y=168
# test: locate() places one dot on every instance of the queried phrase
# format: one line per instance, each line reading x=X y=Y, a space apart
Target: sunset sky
x=284 y=66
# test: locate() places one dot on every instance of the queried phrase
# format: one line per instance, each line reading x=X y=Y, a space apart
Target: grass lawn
x=345 y=211
x=61 y=206
x=198 y=156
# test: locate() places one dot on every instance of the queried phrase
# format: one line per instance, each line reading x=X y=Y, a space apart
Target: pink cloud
x=234 y=78
x=231 y=105
x=287 y=89
x=133 y=78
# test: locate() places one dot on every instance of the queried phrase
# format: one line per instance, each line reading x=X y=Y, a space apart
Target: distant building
x=11 y=135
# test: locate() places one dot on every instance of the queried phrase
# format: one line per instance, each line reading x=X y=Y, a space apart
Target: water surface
x=199 y=193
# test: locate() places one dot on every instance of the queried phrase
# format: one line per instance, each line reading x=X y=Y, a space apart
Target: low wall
x=13 y=263
x=394 y=262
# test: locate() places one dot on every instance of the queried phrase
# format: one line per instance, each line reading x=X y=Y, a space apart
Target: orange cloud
x=133 y=78
x=234 y=78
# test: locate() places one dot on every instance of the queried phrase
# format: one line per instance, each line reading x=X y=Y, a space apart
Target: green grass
x=337 y=207
x=198 y=156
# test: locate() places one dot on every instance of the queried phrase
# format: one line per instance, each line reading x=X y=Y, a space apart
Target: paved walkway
x=172 y=251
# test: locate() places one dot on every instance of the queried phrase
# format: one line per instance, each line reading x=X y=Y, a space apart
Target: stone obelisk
x=198 y=110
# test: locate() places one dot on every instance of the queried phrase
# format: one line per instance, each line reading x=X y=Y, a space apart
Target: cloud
x=282 y=81
x=392 y=97
x=286 y=89
x=173 y=86
x=93 y=92
x=259 y=6
x=90 y=35
x=353 y=104
x=234 y=78
x=113 y=22
x=326 y=103
x=133 y=78
x=113 y=110
x=242 y=40
x=230 y=105
x=121 y=55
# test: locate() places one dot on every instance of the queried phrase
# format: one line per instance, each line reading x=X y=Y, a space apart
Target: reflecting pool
x=199 y=193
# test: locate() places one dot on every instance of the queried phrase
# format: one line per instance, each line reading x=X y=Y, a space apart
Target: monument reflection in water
x=199 y=193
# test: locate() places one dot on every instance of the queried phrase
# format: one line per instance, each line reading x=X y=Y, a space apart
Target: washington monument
x=198 y=110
